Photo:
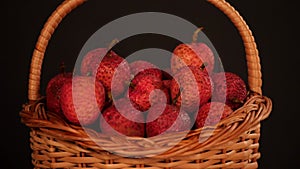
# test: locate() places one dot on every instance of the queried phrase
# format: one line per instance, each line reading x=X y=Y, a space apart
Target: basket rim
x=255 y=109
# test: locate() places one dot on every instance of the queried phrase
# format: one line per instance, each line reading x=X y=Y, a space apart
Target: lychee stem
x=129 y=83
x=132 y=85
x=196 y=33
x=177 y=96
x=112 y=44
x=109 y=96
x=203 y=66
x=236 y=100
x=89 y=74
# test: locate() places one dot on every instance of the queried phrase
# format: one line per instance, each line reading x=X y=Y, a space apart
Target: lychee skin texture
x=158 y=98
x=82 y=100
x=147 y=90
x=146 y=82
x=114 y=73
x=167 y=83
x=166 y=122
x=142 y=99
x=211 y=113
x=194 y=54
x=107 y=66
x=91 y=60
x=196 y=88
x=53 y=91
x=145 y=68
x=230 y=88
x=112 y=122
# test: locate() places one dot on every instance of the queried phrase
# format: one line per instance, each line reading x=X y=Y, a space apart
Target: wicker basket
x=233 y=144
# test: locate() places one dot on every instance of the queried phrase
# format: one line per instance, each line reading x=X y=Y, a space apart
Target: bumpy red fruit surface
x=229 y=88
x=170 y=120
x=112 y=122
x=53 y=91
x=167 y=83
x=148 y=81
x=211 y=113
x=114 y=73
x=91 y=60
x=194 y=54
x=191 y=88
x=146 y=90
x=145 y=68
x=82 y=100
x=109 y=68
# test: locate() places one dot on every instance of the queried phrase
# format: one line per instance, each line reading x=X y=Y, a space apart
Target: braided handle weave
x=253 y=61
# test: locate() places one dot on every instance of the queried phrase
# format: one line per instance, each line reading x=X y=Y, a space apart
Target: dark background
x=270 y=21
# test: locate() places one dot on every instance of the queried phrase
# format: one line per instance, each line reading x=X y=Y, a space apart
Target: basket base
x=51 y=152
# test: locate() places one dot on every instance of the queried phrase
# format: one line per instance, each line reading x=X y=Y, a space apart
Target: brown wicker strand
x=252 y=57
x=42 y=43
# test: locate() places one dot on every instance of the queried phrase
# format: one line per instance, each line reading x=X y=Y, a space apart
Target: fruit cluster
x=139 y=99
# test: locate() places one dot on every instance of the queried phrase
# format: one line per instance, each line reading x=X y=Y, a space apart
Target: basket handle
x=253 y=61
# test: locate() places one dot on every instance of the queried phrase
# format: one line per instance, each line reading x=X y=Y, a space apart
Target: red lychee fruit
x=144 y=67
x=82 y=100
x=113 y=122
x=211 y=113
x=91 y=60
x=160 y=96
x=146 y=90
x=53 y=91
x=167 y=83
x=171 y=119
x=114 y=73
x=109 y=68
x=194 y=54
x=191 y=88
x=229 y=88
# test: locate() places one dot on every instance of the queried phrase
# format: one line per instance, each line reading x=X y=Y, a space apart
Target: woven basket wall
x=233 y=144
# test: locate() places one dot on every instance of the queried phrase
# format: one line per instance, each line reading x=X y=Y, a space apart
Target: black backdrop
x=270 y=21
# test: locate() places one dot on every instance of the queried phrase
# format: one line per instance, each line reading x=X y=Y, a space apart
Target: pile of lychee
x=140 y=99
